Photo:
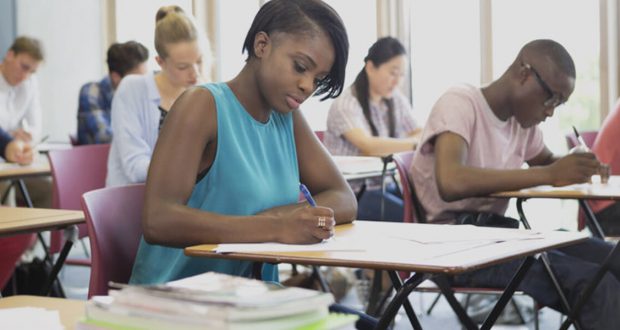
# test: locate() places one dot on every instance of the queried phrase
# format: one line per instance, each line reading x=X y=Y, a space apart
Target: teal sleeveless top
x=255 y=168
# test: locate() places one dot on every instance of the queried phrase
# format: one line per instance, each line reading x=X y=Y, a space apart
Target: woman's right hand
x=301 y=226
x=573 y=168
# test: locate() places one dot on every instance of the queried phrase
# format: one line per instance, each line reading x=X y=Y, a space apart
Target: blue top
x=95 y=104
x=255 y=168
x=135 y=123
x=5 y=139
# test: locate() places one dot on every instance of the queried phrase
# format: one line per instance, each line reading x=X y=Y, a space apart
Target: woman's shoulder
x=136 y=84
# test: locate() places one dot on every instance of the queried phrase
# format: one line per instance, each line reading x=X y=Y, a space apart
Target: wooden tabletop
x=15 y=220
x=610 y=191
x=385 y=249
x=70 y=310
x=40 y=167
x=361 y=167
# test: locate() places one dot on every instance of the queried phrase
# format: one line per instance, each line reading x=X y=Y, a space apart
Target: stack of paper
x=213 y=301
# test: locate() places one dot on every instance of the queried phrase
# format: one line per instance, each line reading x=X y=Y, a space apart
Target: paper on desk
x=339 y=244
x=434 y=234
x=30 y=318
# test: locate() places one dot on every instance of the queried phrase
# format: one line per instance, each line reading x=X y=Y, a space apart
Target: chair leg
x=517 y=310
x=536 y=310
x=430 y=308
x=85 y=248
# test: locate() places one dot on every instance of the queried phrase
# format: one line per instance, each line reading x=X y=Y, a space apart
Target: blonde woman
x=141 y=103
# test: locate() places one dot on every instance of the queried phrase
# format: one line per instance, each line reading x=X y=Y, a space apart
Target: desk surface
x=360 y=167
x=385 y=252
x=40 y=167
x=70 y=310
x=15 y=220
x=610 y=190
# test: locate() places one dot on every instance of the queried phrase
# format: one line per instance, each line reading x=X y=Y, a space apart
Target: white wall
x=70 y=31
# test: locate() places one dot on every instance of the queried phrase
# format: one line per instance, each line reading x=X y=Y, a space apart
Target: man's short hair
x=124 y=57
x=27 y=45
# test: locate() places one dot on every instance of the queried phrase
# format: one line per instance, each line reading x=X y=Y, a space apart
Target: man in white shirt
x=20 y=111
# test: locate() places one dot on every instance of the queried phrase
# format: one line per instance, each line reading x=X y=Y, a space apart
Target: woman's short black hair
x=304 y=16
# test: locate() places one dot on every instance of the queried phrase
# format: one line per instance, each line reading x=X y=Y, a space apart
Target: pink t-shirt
x=607 y=149
x=493 y=144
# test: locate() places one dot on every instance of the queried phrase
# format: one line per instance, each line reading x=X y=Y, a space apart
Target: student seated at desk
x=474 y=144
x=141 y=102
x=607 y=150
x=229 y=161
x=15 y=151
x=95 y=100
x=373 y=118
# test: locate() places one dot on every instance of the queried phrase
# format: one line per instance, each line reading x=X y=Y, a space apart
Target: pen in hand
x=309 y=199
x=582 y=143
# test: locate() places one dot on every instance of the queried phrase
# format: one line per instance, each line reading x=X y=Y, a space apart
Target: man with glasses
x=475 y=143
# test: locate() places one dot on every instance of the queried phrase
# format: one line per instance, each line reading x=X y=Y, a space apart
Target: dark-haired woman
x=373 y=118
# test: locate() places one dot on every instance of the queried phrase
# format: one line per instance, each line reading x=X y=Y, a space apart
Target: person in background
x=373 y=118
x=20 y=110
x=607 y=150
x=95 y=99
x=141 y=102
x=475 y=143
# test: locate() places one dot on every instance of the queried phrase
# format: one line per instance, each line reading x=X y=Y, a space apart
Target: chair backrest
x=74 y=172
x=320 y=135
x=114 y=219
x=412 y=209
x=588 y=138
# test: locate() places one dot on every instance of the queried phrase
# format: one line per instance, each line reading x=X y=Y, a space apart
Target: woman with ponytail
x=373 y=118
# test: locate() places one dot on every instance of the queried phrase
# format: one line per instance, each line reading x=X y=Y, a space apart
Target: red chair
x=74 y=172
x=113 y=216
x=412 y=209
x=320 y=135
x=588 y=138
x=571 y=141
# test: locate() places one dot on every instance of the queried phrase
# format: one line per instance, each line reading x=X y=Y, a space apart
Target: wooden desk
x=71 y=311
x=16 y=173
x=581 y=192
x=384 y=252
x=18 y=220
x=360 y=167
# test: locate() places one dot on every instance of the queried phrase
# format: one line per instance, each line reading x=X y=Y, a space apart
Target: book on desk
x=213 y=301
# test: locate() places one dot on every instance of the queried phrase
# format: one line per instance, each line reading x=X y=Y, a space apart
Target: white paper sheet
x=339 y=244
x=26 y=318
x=437 y=234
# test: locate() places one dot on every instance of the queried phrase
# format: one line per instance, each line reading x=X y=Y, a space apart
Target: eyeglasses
x=555 y=99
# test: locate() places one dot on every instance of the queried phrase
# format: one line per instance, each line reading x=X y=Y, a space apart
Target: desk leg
x=547 y=264
x=593 y=224
x=508 y=292
x=444 y=285
x=24 y=191
x=71 y=233
x=587 y=291
x=398 y=283
x=401 y=296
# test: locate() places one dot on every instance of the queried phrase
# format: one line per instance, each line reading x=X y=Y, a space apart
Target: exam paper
x=30 y=318
x=332 y=244
x=441 y=234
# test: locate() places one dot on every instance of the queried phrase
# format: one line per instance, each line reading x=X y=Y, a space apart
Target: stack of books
x=213 y=301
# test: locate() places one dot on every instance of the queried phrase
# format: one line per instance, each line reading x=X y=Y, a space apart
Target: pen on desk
x=309 y=199
x=40 y=141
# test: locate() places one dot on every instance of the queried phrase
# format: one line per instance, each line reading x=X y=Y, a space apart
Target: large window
x=360 y=19
x=445 y=43
x=576 y=27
